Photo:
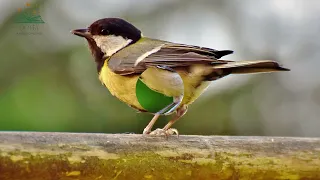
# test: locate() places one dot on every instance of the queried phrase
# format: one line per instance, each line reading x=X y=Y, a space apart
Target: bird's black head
x=107 y=36
x=115 y=27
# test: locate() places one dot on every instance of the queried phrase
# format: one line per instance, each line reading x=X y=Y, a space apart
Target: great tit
x=156 y=76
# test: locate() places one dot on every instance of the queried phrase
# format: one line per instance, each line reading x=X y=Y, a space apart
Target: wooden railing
x=55 y=156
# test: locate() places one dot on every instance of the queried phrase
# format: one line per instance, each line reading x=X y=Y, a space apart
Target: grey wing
x=179 y=55
x=169 y=55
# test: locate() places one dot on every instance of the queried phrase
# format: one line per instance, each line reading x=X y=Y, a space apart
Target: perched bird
x=156 y=76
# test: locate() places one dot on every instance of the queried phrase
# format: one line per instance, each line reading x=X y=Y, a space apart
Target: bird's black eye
x=104 y=32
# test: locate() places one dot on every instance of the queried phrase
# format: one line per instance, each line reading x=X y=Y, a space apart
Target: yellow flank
x=194 y=85
x=124 y=87
x=163 y=81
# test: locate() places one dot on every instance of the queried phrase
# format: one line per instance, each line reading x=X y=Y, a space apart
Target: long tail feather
x=242 y=67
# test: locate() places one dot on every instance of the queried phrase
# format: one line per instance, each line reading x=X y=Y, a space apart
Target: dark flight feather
x=169 y=55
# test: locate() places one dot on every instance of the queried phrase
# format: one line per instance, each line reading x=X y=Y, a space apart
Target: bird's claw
x=169 y=132
x=146 y=131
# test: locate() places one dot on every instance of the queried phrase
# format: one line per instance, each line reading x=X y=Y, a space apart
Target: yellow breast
x=124 y=87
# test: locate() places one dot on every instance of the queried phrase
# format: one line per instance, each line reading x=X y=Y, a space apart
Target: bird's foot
x=146 y=131
x=160 y=132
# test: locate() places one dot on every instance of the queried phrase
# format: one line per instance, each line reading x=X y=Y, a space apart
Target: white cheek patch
x=111 y=44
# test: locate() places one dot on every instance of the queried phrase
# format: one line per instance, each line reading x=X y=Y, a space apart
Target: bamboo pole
x=55 y=156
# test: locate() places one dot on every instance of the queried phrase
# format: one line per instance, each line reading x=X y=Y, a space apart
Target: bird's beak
x=81 y=32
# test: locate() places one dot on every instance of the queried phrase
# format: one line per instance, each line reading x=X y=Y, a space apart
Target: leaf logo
x=30 y=14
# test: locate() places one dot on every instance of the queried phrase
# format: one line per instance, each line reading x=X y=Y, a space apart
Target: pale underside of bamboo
x=35 y=155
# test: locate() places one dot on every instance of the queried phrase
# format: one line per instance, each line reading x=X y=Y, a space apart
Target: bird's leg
x=180 y=112
x=148 y=128
x=170 y=131
x=167 y=110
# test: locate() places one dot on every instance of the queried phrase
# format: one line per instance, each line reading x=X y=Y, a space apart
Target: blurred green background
x=48 y=79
